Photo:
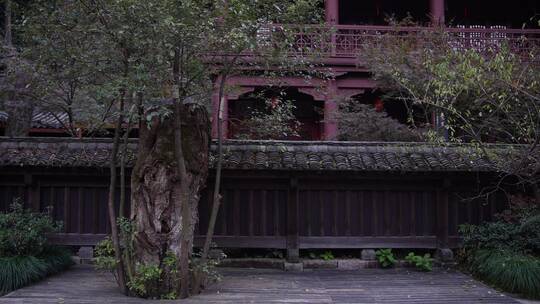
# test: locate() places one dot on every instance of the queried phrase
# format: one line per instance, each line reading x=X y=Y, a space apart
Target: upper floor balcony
x=481 y=25
x=346 y=41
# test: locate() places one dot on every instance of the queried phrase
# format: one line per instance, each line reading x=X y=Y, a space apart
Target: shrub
x=23 y=232
x=530 y=229
x=19 y=271
x=519 y=207
x=386 y=258
x=492 y=235
x=513 y=272
x=424 y=263
x=361 y=122
x=57 y=259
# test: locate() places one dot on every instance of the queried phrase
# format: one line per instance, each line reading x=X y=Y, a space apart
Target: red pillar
x=223 y=112
x=436 y=10
x=331 y=11
x=330 y=107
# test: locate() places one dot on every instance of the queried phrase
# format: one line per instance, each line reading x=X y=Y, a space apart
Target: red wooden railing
x=347 y=40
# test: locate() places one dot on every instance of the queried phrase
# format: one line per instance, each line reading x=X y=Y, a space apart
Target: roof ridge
x=327 y=145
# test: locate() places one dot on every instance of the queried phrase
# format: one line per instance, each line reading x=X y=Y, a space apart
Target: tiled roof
x=263 y=155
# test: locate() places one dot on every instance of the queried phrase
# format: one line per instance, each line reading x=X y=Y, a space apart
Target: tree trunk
x=19 y=111
x=159 y=195
x=120 y=273
x=125 y=142
x=19 y=119
x=7 y=24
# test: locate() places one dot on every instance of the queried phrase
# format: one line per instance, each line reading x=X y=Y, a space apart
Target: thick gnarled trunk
x=158 y=191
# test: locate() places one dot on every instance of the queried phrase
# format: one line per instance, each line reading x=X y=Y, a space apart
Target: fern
x=515 y=273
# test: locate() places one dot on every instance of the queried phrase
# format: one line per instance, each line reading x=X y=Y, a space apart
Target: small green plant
x=312 y=255
x=170 y=296
x=104 y=258
x=424 y=263
x=146 y=278
x=327 y=256
x=170 y=261
x=208 y=269
x=386 y=258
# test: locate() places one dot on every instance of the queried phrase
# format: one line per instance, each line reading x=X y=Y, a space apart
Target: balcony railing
x=346 y=41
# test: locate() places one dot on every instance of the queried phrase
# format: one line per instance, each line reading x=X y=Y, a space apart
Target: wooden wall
x=287 y=210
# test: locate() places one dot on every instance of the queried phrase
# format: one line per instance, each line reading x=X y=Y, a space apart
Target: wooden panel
x=367 y=213
x=332 y=212
x=11 y=192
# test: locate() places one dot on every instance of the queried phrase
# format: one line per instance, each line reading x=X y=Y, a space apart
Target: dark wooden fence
x=289 y=210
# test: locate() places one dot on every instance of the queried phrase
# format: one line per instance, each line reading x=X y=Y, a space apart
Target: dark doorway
x=307 y=111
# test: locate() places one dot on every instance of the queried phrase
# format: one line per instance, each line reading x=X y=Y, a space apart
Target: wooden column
x=331 y=11
x=32 y=188
x=443 y=214
x=330 y=107
x=436 y=11
x=293 y=251
x=223 y=112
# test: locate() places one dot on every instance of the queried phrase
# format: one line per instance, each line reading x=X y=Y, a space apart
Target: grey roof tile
x=262 y=155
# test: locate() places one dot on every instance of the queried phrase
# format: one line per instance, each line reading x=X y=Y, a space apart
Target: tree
x=116 y=67
x=481 y=96
x=166 y=53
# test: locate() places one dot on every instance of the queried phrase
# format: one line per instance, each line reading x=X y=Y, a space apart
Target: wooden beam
x=277 y=242
x=75 y=239
x=428 y=242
